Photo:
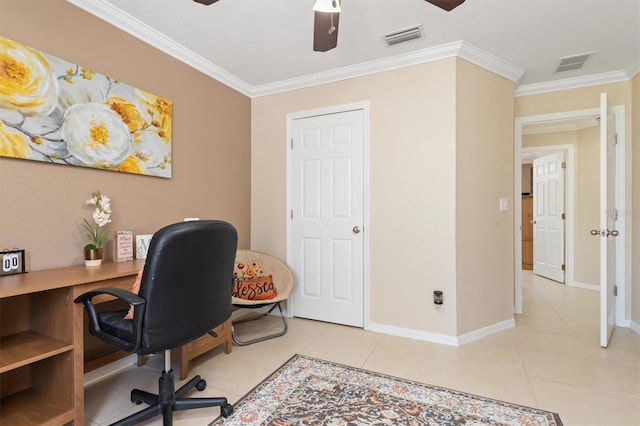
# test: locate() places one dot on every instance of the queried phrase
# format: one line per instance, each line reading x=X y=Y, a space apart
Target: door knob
x=613 y=233
x=595 y=232
x=356 y=229
x=533 y=221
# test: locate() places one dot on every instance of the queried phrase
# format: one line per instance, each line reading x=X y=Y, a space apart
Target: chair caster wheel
x=201 y=385
x=226 y=410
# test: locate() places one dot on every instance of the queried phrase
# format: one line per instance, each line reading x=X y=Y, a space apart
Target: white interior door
x=548 y=216
x=607 y=231
x=327 y=217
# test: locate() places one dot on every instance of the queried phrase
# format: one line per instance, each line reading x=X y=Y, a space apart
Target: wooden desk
x=41 y=341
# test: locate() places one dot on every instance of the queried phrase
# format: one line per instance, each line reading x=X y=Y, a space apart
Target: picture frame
x=142 y=245
x=123 y=246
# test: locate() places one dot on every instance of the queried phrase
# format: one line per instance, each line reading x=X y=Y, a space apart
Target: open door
x=608 y=216
x=548 y=216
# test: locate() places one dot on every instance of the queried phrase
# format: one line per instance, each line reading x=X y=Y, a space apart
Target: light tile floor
x=551 y=360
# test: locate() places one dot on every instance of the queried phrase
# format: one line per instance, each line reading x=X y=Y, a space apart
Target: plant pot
x=93 y=257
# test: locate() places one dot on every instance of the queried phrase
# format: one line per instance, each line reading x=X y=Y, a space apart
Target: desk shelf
x=30 y=407
x=28 y=347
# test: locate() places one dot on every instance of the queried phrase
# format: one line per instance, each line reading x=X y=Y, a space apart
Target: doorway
x=521 y=123
x=327 y=232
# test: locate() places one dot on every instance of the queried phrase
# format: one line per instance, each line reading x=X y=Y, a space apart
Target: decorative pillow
x=135 y=288
x=257 y=288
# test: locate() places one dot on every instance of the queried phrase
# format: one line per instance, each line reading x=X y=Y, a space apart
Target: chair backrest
x=187 y=282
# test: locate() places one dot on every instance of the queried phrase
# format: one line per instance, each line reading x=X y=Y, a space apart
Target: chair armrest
x=131 y=298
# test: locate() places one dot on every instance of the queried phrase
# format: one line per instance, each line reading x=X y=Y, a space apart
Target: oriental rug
x=309 y=391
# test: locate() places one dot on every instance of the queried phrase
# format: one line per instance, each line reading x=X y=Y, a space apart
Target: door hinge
x=615 y=290
x=291 y=144
x=291 y=214
x=564 y=216
x=562 y=267
x=615 y=139
x=615 y=215
x=564 y=165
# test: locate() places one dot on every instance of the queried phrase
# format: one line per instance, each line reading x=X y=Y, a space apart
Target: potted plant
x=96 y=233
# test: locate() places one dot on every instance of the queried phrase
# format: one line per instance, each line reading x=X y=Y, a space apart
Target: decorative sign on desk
x=142 y=246
x=123 y=246
x=12 y=262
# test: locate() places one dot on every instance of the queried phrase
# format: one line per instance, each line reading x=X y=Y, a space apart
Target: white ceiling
x=265 y=46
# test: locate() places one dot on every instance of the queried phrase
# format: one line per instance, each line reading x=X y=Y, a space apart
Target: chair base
x=239 y=342
x=169 y=400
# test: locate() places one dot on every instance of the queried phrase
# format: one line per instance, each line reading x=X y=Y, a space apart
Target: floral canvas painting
x=54 y=111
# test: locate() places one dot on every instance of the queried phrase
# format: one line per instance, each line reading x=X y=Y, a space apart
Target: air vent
x=401 y=36
x=574 y=62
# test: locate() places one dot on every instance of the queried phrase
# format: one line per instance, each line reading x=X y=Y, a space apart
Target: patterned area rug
x=308 y=391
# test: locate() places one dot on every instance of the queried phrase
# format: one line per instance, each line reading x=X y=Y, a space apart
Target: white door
x=607 y=231
x=548 y=216
x=327 y=217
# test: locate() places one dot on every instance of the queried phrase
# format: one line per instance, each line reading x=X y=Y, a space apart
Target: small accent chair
x=185 y=292
x=283 y=282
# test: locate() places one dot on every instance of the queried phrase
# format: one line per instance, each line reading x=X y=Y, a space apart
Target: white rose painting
x=54 y=111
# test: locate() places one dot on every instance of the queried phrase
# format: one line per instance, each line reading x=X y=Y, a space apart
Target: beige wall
x=586 y=98
x=42 y=204
x=484 y=174
x=413 y=172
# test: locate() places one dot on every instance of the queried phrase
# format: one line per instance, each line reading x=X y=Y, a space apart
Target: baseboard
x=634 y=326
x=486 y=331
x=108 y=370
x=593 y=287
x=442 y=338
x=413 y=334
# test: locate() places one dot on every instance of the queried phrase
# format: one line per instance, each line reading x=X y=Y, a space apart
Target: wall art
x=54 y=111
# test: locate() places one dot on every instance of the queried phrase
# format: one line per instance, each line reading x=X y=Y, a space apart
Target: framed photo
x=123 y=246
x=142 y=245
x=12 y=262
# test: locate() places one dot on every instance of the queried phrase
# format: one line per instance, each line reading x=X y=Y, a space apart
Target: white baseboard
x=486 y=331
x=634 y=326
x=109 y=369
x=442 y=338
x=593 y=287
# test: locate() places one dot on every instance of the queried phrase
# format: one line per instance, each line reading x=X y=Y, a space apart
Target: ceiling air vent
x=574 y=62
x=401 y=36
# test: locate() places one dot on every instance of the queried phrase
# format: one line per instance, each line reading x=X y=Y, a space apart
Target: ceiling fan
x=327 y=16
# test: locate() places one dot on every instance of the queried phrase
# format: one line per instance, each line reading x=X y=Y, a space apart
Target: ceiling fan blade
x=325 y=31
x=206 y=2
x=447 y=5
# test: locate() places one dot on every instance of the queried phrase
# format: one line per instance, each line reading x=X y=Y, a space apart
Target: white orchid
x=101 y=217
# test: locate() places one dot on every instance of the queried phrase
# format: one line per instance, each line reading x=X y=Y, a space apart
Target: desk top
x=49 y=279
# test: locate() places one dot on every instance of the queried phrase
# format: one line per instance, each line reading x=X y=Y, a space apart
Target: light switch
x=504 y=204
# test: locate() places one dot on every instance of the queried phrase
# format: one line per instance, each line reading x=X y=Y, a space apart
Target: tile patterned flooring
x=550 y=360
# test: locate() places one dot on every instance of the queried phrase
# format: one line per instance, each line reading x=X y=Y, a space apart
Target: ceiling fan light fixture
x=328 y=6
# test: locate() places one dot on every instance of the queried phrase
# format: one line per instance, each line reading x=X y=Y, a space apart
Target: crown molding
x=633 y=69
x=366 y=68
x=572 y=83
x=105 y=11
x=490 y=62
x=459 y=49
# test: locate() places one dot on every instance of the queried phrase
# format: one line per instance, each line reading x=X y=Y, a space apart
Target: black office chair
x=185 y=292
